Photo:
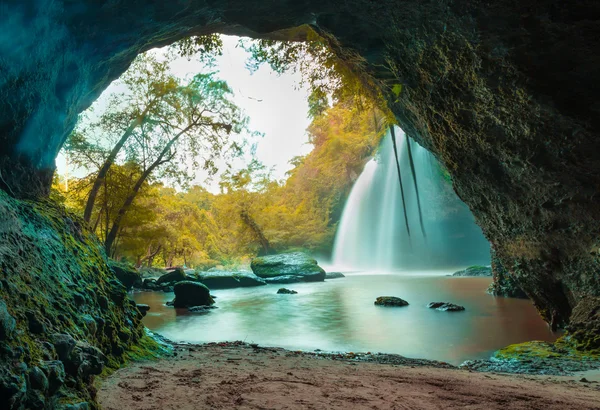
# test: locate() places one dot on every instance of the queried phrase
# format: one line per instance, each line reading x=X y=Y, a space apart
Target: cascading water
x=372 y=233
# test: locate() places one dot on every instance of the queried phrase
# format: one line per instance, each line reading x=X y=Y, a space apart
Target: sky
x=275 y=103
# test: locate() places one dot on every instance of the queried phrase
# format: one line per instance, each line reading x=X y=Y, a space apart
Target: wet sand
x=241 y=376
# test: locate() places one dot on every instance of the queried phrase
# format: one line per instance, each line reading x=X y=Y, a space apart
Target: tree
x=149 y=86
x=200 y=122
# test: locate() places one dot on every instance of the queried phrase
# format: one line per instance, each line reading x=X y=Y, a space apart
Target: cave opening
x=501 y=94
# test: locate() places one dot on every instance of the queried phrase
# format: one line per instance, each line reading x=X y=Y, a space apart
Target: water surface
x=339 y=315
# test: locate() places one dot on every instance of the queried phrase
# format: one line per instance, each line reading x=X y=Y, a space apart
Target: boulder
x=288 y=264
x=334 y=275
x=284 y=291
x=188 y=294
x=172 y=277
x=475 y=271
x=228 y=280
x=126 y=274
x=390 y=301
x=445 y=306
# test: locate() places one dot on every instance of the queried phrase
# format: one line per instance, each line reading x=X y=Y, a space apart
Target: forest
x=139 y=152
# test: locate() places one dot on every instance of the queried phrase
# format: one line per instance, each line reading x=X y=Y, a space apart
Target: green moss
x=145 y=349
x=564 y=347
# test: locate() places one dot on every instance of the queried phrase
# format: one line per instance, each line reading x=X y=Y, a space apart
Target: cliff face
x=64 y=316
x=504 y=93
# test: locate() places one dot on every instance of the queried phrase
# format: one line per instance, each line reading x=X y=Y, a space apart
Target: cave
x=503 y=93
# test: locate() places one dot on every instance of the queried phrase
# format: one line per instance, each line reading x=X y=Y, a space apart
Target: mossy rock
x=127 y=274
x=296 y=264
x=56 y=280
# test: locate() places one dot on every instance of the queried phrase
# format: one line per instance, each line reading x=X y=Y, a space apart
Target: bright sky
x=276 y=107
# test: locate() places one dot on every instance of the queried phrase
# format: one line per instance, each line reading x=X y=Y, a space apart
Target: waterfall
x=372 y=234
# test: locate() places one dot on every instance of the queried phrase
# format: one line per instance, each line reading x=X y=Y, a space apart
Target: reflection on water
x=339 y=315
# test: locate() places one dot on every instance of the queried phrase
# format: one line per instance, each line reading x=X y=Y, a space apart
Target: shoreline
x=248 y=376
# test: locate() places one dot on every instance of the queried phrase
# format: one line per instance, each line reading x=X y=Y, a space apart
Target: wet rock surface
x=445 y=306
x=284 y=291
x=334 y=275
x=297 y=264
x=391 y=301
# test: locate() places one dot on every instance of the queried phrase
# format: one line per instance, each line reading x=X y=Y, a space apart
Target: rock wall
x=64 y=317
x=504 y=93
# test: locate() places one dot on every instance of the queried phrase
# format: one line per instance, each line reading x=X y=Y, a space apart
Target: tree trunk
x=112 y=235
x=264 y=242
x=89 y=206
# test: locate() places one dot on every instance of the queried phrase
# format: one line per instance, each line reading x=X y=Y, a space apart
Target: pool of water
x=339 y=315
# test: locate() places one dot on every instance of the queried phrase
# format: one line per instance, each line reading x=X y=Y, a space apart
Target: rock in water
x=446 y=307
x=288 y=264
x=127 y=275
x=390 y=301
x=175 y=276
x=284 y=291
x=228 y=280
x=334 y=275
x=474 y=271
x=188 y=294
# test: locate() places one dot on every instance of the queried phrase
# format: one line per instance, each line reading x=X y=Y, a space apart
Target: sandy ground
x=244 y=377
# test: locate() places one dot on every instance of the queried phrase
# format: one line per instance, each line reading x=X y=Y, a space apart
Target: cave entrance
x=214 y=202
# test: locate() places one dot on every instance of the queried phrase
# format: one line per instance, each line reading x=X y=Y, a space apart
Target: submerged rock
x=390 y=301
x=228 y=280
x=288 y=264
x=188 y=294
x=284 y=291
x=445 y=307
x=334 y=275
x=475 y=271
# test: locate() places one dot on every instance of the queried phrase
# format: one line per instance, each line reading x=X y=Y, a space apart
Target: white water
x=372 y=233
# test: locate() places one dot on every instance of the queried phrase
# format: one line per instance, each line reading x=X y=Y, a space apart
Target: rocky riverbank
x=247 y=376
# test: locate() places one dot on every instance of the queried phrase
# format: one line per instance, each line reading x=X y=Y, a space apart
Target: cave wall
x=504 y=93
x=64 y=317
